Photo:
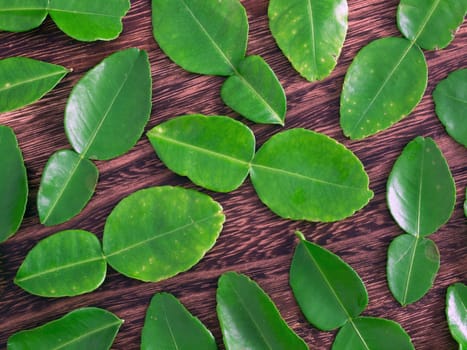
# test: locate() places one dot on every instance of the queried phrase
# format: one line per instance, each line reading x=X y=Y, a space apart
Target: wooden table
x=254 y=240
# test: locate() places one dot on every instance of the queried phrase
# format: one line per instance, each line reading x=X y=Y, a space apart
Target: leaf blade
x=22 y=15
x=456 y=301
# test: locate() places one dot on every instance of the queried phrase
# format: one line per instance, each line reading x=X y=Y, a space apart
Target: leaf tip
x=300 y=236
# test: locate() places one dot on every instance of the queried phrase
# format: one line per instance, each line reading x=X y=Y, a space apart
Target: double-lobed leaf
x=22 y=15
x=25 y=80
x=67 y=263
x=13 y=184
x=456 y=313
x=159 y=232
x=249 y=319
x=309 y=33
x=170 y=326
x=86 y=328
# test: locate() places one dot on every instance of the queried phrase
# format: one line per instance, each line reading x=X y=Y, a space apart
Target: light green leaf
x=89 y=20
x=304 y=175
x=159 y=232
x=67 y=185
x=384 y=83
x=13 y=184
x=450 y=98
x=67 y=263
x=255 y=92
x=214 y=152
x=430 y=23
x=86 y=328
x=368 y=333
x=249 y=319
x=309 y=33
x=201 y=36
x=25 y=80
x=456 y=312
x=22 y=15
x=420 y=191
x=109 y=107
x=170 y=326
x=413 y=263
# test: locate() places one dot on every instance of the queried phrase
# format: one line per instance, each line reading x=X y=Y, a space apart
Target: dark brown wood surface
x=254 y=240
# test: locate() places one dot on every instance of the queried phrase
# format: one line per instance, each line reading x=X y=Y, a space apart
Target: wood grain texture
x=254 y=241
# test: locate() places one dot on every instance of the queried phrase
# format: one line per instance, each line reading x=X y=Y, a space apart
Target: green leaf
x=201 y=36
x=170 y=326
x=22 y=15
x=214 y=152
x=249 y=319
x=384 y=83
x=67 y=263
x=456 y=312
x=368 y=333
x=301 y=174
x=255 y=92
x=309 y=33
x=327 y=289
x=67 y=185
x=25 y=80
x=86 y=328
x=465 y=203
x=430 y=23
x=450 y=98
x=13 y=184
x=413 y=263
x=420 y=191
x=89 y=20
x=109 y=107
x=159 y=232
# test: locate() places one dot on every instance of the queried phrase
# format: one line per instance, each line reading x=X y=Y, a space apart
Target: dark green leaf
x=301 y=174
x=109 y=107
x=327 y=289
x=13 y=184
x=169 y=326
x=249 y=319
x=67 y=184
x=309 y=33
x=67 y=263
x=86 y=328
x=420 y=189
x=413 y=263
x=22 y=15
x=159 y=232
x=255 y=92
x=24 y=80
x=456 y=312
x=214 y=152
x=384 y=83
x=201 y=36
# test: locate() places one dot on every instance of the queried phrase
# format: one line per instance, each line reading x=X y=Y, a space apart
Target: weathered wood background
x=254 y=241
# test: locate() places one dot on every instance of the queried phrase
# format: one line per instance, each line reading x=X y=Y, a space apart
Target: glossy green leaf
x=67 y=263
x=368 y=333
x=413 y=263
x=86 y=328
x=13 y=184
x=384 y=83
x=67 y=184
x=465 y=203
x=159 y=232
x=22 y=15
x=170 y=326
x=430 y=23
x=456 y=312
x=301 y=174
x=309 y=33
x=249 y=319
x=420 y=191
x=109 y=107
x=25 y=80
x=214 y=152
x=327 y=289
x=450 y=98
x=201 y=36
x=255 y=92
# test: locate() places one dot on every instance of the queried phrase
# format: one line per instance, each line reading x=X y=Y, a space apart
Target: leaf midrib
x=48 y=9
x=360 y=336
x=166 y=319
x=410 y=271
x=312 y=35
x=28 y=81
